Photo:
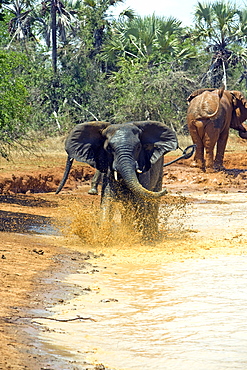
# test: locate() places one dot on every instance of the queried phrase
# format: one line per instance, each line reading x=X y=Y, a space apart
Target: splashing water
x=86 y=223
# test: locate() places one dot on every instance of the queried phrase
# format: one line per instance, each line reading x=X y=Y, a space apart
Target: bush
x=14 y=107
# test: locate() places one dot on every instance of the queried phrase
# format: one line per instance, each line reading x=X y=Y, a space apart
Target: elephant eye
x=109 y=149
x=138 y=147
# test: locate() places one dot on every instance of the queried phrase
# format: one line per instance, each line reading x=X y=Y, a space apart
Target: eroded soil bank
x=36 y=257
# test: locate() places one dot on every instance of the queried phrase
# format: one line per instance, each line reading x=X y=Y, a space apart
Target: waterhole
x=164 y=306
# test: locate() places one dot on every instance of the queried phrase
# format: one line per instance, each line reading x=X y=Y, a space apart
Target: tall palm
x=20 y=23
x=56 y=18
x=148 y=38
x=2 y=3
x=220 y=25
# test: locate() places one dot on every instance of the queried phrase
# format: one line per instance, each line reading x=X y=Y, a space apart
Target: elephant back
x=205 y=103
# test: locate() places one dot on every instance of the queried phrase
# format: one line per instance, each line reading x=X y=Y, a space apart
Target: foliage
x=141 y=93
x=153 y=39
x=14 y=108
x=222 y=27
x=80 y=63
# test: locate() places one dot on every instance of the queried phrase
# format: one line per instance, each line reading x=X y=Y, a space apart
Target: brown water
x=155 y=314
x=180 y=315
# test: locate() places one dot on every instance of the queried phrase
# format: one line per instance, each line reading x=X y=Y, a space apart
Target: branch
x=80 y=106
x=48 y=318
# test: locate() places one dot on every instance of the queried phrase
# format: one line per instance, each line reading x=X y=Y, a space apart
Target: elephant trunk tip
x=151 y=195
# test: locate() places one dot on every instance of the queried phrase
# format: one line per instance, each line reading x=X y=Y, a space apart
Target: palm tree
x=20 y=23
x=222 y=27
x=2 y=3
x=56 y=18
x=149 y=38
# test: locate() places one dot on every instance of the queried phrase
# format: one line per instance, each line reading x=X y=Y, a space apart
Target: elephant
x=131 y=156
x=210 y=115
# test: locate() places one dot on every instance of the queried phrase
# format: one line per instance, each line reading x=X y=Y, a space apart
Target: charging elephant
x=211 y=113
x=131 y=157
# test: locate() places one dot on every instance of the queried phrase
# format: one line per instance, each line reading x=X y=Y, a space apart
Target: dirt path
x=33 y=265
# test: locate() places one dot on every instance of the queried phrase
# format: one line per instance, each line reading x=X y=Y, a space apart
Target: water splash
x=85 y=223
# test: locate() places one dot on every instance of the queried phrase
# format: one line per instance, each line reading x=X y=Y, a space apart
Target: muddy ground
x=35 y=257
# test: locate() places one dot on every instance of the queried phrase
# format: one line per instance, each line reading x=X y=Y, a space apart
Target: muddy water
x=219 y=215
x=155 y=313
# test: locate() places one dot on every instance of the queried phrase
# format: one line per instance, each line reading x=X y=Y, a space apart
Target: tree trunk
x=54 y=34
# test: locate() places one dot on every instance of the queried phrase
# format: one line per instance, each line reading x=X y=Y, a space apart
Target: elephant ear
x=239 y=113
x=85 y=144
x=157 y=139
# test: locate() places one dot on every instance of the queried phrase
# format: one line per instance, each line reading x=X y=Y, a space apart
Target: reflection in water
x=18 y=222
x=178 y=315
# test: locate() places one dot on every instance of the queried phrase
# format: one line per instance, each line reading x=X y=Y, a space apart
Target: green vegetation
x=62 y=63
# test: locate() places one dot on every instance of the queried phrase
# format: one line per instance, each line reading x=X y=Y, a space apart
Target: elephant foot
x=199 y=165
x=219 y=167
x=193 y=164
x=151 y=237
x=210 y=170
x=93 y=191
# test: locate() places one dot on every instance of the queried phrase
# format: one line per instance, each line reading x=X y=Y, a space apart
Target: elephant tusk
x=137 y=168
x=115 y=175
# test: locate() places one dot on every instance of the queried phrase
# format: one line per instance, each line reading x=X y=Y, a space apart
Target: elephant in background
x=131 y=157
x=211 y=114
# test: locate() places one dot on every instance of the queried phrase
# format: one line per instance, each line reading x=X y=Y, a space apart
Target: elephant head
x=122 y=149
x=239 y=113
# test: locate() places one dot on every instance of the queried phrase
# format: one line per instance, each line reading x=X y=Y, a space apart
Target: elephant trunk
x=128 y=172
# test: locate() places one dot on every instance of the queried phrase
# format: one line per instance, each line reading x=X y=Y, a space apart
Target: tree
x=2 y=3
x=56 y=18
x=141 y=94
x=153 y=39
x=222 y=28
x=21 y=20
x=14 y=107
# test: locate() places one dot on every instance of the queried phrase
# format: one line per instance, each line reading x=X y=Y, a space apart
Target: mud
x=36 y=255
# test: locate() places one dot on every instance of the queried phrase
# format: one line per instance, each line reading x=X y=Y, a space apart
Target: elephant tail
x=65 y=175
x=221 y=91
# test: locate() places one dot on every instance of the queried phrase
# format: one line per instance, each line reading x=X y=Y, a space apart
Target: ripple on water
x=178 y=315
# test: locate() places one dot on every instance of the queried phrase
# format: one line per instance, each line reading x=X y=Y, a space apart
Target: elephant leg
x=221 y=146
x=146 y=220
x=106 y=209
x=107 y=201
x=210 y=139
x=197 y=139
x=128 y=215
x=150 y=224
x=95 y=182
